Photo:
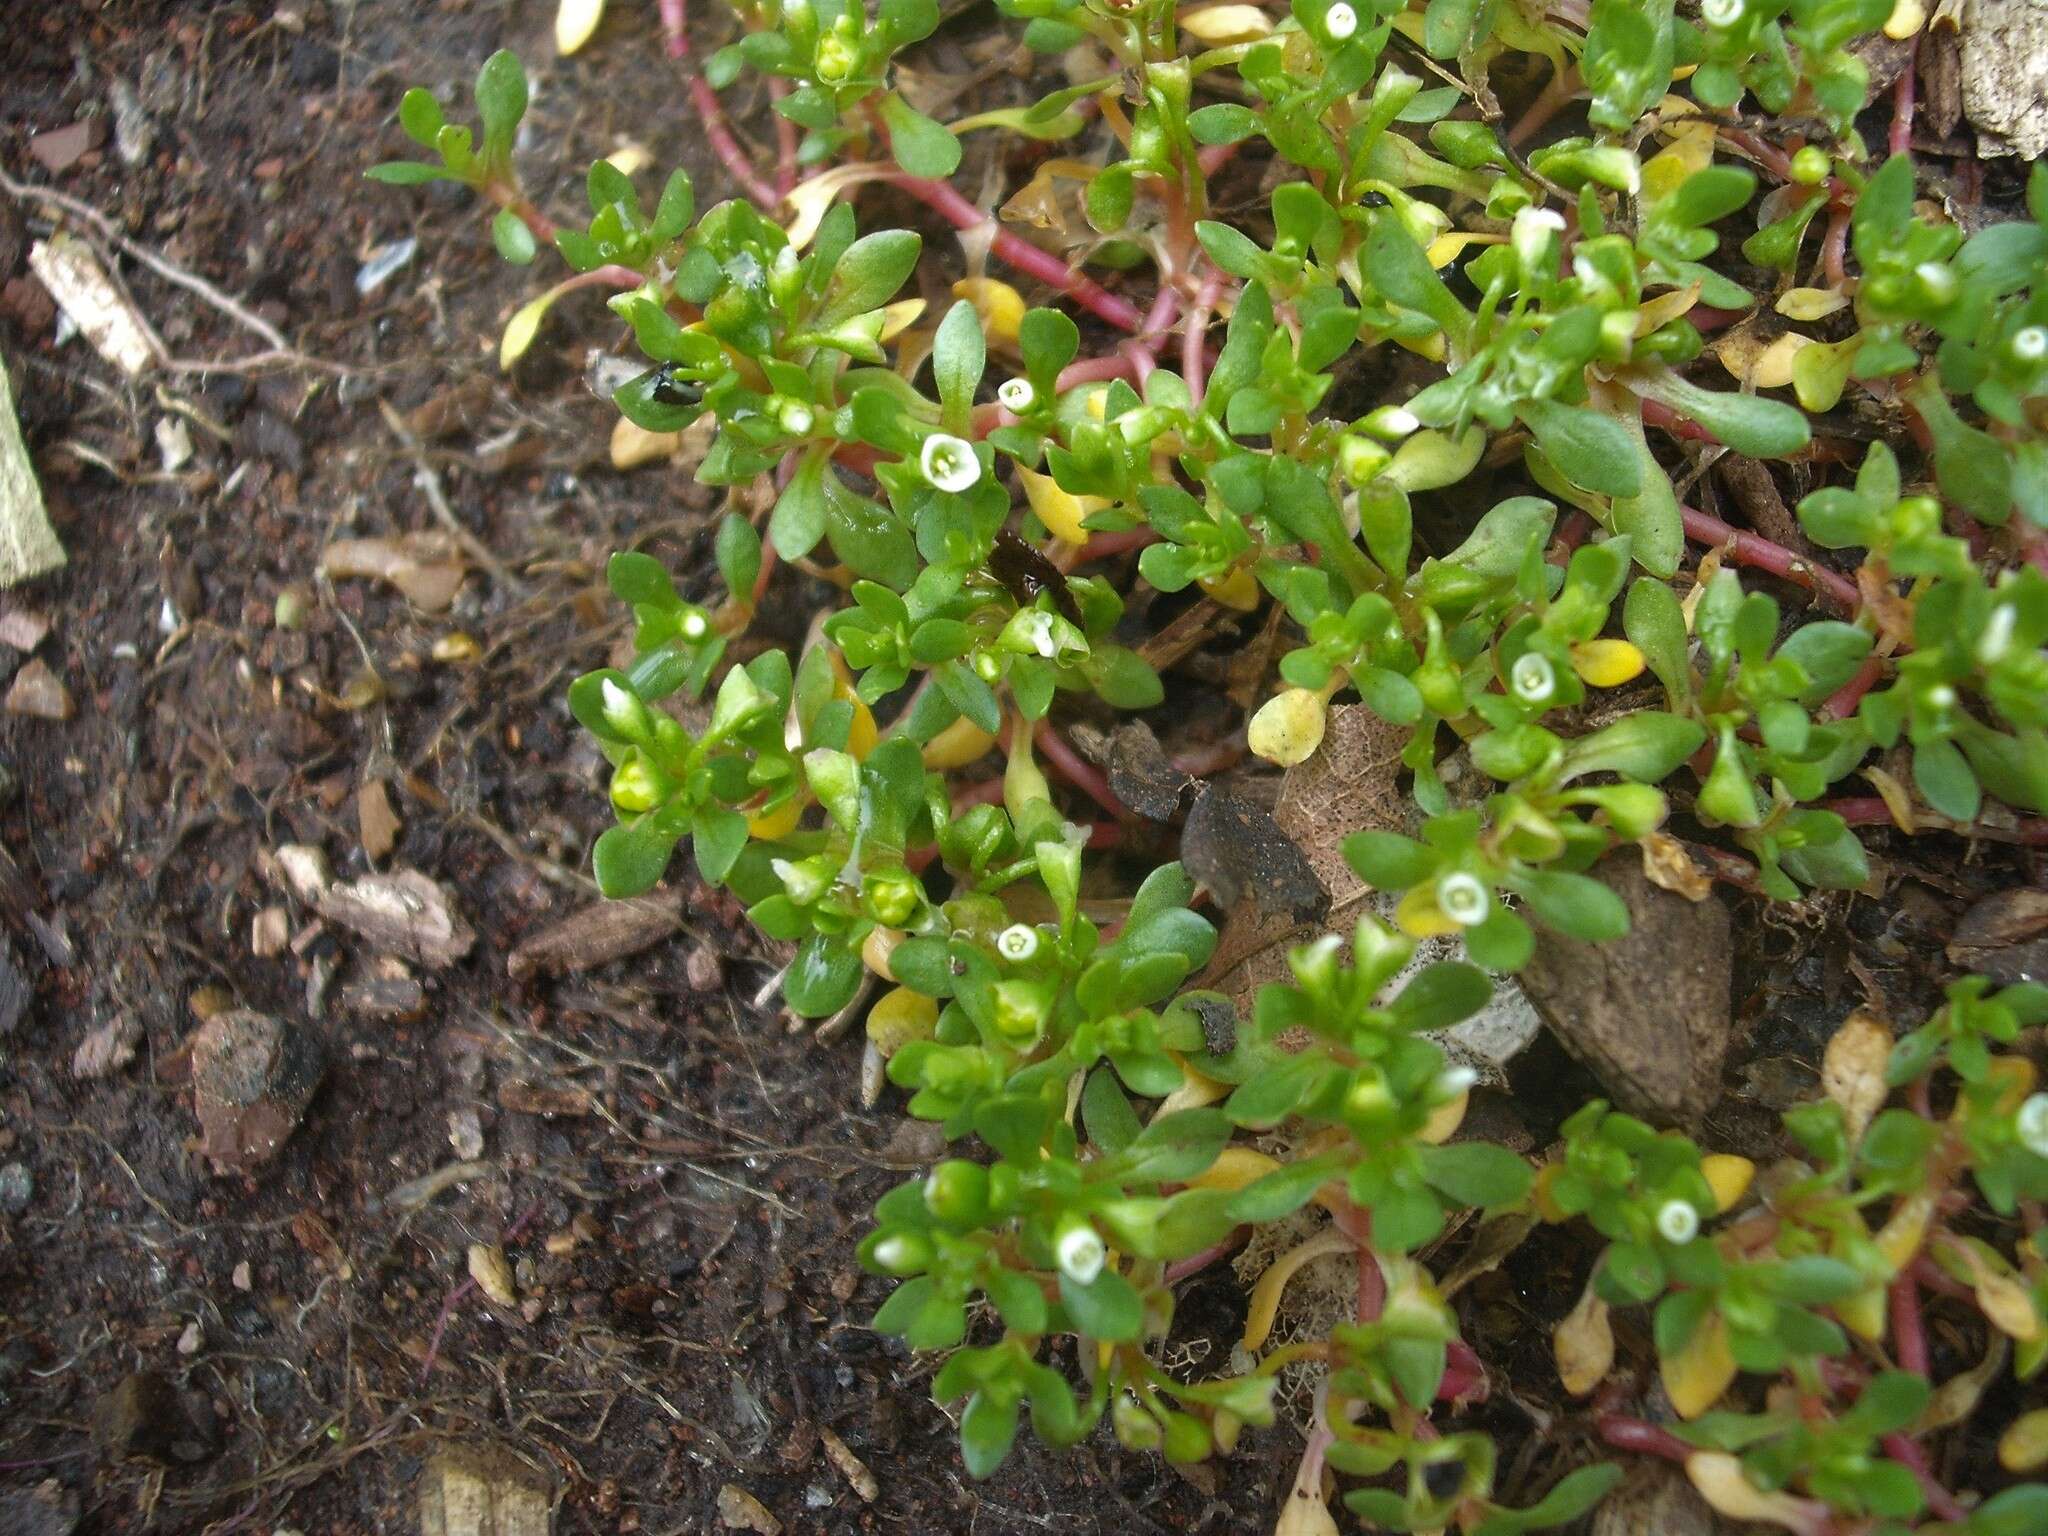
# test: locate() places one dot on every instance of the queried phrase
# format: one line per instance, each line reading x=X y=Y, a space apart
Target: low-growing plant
x=978 y=488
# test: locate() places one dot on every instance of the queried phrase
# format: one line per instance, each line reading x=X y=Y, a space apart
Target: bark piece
x=1142 y=776
x=39 y=692
x=601 y=932
x=1648 y=1013
x=377 y=822
x=403 y=912
x=28 y=544
x=2005 y=936
x=426 y=567
x=107 y=1049
x=82 y=289
x=252 y=1078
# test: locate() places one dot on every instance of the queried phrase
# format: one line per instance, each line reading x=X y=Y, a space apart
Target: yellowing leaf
x=521 y=329
x=1654 y=314
x=811 y=200
x=1722 y=1483
x=1221 y=25
x=899 y=1017
x=1195 y=1092
x=630 y=159
x=1697 y=1375
x=1237 y=588
x=1265 y=1298
x=1820 y=371
x=1234 y=1168
x=1906 y=20
x=1753 y=361
x=1429 y=461
x=634 y=446
x=778 y=823
x=1728 y=1176
x=1691 y=151
x=1809 y=304
x=1062 y=512
x=1443 y=1121
x=1583 y=1344
x=2024 y=1445
x=959 y=744
x=1852 y=1070
x=1606 y=663
x=899 y=317
x=575 y=23
x=1288 y=727
x=1000 y=306
x=1445 y=249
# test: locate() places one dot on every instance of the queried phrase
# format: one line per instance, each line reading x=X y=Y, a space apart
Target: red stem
x=1902 y=105
x=1195 y=1263
x=1094 y=370
x=1104 y=546
x=717 y=132
x=1834 y=248
x=1870 y=811
x=1643 y=1438
x=785 y=139
x=1755 y=550
x=942 y=199
x=1909 y=1331
x=1076 y=769
x=1909 y=1455
x=1841 y=704
x=1193 y=363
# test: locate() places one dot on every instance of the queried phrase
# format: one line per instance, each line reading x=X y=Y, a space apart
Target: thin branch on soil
x=430 y=486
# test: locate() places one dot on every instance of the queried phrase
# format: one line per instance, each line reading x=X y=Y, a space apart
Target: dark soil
x=709 y=1321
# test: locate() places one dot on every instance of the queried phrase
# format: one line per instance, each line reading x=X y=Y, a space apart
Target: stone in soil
x=17 y=1188
x=402 y=912
x=39 y=692
x=481 y=1490
x=1649 y=1013
x=147 y=1417
x=252 y=1077
x=61 y=148
x=107 y=1049
x=14 y=991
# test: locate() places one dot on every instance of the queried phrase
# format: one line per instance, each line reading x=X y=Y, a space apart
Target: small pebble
x=191 y=1341
x=17 y=1185
x=37 y=691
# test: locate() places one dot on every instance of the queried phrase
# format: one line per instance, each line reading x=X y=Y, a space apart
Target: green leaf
x=717 y=838
x=501 y=99
x=1222 y=123
x=1280 y=1193
x=1650 y=517
x=1476 y=1172
x=1588 y=448
x=1106 y=1114
x=1175 y=1147
x=822 y=978
x=868 y=275
x=959 y=356
x=988 y=1429
x=512 y=238
x=405 y=173
x=419 y=114
x=629 y=860
x=1573 y=1496
x=1943 y=775
x=1646 y=746
x=921 y=146
x=1750 y=424
x=1655 y=623
x=737 y=550
x=1387 y=861
x=1108 y=1309
x=1575 y=905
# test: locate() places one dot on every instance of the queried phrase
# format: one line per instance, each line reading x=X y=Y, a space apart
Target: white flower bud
x=949 y=463
x=694 y=626
x=2030 y=344
x=1720 y=13
x=1678 y=1222
x=1996 y=640
x=623 y=712
x=1018 y=942
x=1080 y=1253
x=1391 y=421
x=1531 y=233
x=796 y=418
x=1463 y=899
x=1941 y=697
x=2032 y=1124
x=1340 y=21
x=1016 y=394
x=1453 y=1081
x=1533 y=678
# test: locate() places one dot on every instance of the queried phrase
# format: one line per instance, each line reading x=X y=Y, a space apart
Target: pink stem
x=1195 y=1263
x=785 y=139
x=1909 y=1332
x=717 y=132
x=1464 y=1376
x=1910 y=1456
x=944 y=200
x=1754 y=550
x=1642 y=1437
x=1657 y=414
x=1194 y=337
x=1706 y=318
x=1093 y=370
x=1841 y=704
x=1870 y=811
x=1372 y=1287
x=1076 y=769
x=1902 y=105
x=461 y=1292
x=1105 y=546
x=1931 y=1276
x=1834 y=248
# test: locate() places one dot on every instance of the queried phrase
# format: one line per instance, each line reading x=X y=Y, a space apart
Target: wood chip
x=28 y=544
x=426 y=567
x=39 y=692
x=82 y=289
x=483 y=1490
x=850 y=1466
x=403 y=912
x=739 y=1510
x=22 y=628
x=534 y=1099
x=492 y=1272
x=601 y=932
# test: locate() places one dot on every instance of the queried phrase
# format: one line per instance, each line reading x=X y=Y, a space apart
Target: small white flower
x=1340 y=21
x=949 y=463
x=622 y=711
x=2030 y=344
x=1533 y=678
x=893 y=1254
x=2032 y=1124
x=1018 y=942
x=1016 y=394
x=1453 y=1081
x=1038 y=624
x=1678 y=1222
x=796 y=418
x=1721 y=13
x=1997 y=637
x=1938 y=279
x=802 y=886
x=1531 y=233
x=1941 y=697
x=1463 y=898
x=1080 y=1253
x=695 y=626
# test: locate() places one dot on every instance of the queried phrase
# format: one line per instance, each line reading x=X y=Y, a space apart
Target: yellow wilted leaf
x=1900 y=1237
x=899 y=317
x=959 y=744
x=1221 y=25
x=1767 y=365
x=1445 y=249
x=634 y=446
x=1237 y=588
x=1062 y=512
x=1807 y=304
x=1195 y=1092
x=1655 y=314
x=811 y=200
x=1722 y=1483
x=1234 y=1168
x=1690 y=151
x=1443 y=1121
x=575 y=22
x=1606 y=663
x=1852 y=1070
x=1000 y=306
x=1288 y=727
x=1697 y=1375
x=899 y=1017
x=1820 y=371
x=521 y=329
x=630 y=159
x=778 y=823
x=1265 y=1298
x=1728 y=1177
x=1864 y=1314
x=876 y=949
x=2024 y=1445
x=1583 y=1344
x=1906 y=20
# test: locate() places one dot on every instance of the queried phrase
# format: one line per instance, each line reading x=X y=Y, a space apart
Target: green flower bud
x=902 y=1253
x=1361 y=458
x=1187 y=1437
x=891 y=896
x=636 y=786
x=1022 y=1007
x=956 y=1192
x=1136 y=1430
x=629 y=719
x=1810 y=166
